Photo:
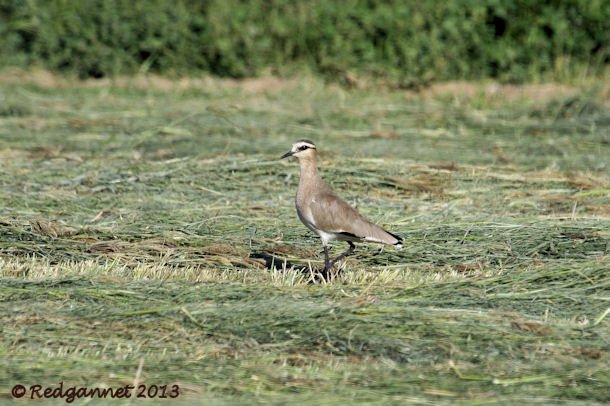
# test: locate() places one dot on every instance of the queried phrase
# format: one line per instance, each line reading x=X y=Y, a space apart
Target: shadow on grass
x=278 y=264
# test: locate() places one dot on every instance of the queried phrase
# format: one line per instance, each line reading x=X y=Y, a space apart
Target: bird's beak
x=287 y=154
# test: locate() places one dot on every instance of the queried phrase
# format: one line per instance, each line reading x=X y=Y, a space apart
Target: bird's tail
x=398 y=243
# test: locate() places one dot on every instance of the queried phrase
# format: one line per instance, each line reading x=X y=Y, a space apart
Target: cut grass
x=138 y=223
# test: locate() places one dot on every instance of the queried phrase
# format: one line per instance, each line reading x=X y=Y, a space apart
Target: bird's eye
x=303 y=147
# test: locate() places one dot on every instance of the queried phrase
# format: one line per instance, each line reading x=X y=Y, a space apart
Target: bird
x=326 y=214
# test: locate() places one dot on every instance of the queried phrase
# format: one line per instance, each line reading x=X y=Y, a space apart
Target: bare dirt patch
x=491 y=91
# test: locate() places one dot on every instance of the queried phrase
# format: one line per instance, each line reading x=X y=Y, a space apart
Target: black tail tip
x=399 y=238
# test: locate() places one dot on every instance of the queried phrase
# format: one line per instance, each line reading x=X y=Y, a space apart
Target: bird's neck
x=309 y=173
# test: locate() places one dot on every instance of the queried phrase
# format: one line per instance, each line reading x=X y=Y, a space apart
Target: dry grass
x=140 y=220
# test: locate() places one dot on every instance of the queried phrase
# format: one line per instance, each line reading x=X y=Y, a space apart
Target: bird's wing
x=332 y=214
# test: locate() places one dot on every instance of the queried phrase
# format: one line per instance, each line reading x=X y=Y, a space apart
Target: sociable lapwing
x=326 y=214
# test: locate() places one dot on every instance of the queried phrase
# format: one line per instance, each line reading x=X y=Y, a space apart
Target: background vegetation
x=407 y=42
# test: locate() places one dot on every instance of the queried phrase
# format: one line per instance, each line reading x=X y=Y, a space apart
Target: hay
x=144 y=221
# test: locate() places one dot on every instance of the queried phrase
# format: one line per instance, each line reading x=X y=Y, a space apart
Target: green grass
x=135 y=213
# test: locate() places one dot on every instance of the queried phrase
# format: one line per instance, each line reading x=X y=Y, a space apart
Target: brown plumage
x=325 y=213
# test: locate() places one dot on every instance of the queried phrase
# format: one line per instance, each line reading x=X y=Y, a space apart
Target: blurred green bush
x=406 y=41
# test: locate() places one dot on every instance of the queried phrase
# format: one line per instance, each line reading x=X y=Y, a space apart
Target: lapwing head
x=301 y=149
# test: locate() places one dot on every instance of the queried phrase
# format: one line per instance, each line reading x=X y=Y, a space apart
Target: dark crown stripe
x=307 y=141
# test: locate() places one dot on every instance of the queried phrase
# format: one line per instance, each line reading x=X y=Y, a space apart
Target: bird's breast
x=304 y=213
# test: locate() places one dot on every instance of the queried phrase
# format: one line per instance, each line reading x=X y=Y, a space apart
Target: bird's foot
x=326 y=275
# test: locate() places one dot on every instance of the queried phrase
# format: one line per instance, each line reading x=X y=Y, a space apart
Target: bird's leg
x=326 y=260
x=351 y=249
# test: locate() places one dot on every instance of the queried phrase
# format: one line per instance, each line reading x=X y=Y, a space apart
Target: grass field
x=139 y=219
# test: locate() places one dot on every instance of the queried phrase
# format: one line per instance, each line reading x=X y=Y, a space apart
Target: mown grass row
x=138 y=225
